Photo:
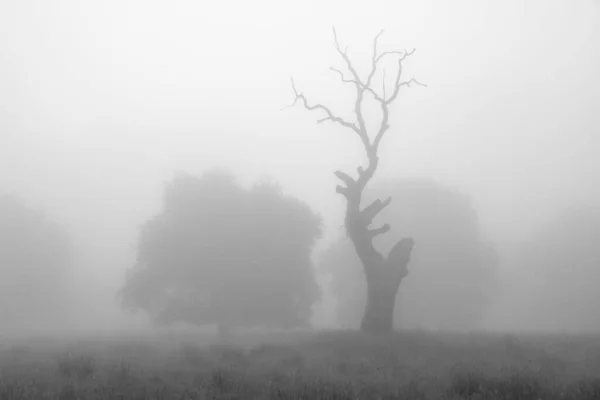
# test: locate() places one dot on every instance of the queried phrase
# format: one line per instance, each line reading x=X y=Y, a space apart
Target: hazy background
x=102 y=101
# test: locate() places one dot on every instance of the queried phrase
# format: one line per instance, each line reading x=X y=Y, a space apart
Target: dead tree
x=383 y=274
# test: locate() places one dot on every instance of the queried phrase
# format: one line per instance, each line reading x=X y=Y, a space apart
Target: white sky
x=101 y=101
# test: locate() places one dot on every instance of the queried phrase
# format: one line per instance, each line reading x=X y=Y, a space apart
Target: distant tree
x=563 y=260
x=221 y=254
x=35 y=261
x=454 y=277
x=383 y=275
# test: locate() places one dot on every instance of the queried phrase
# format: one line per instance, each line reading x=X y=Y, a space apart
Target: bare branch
x=387 y=101
x=389 y=53
x=378 y=231
x=362 y=86
x=374 y=59
x=354 y=187
x=398 y=84
x=413 y=80
x=335 y=39
x=342 y=77
x=330 y=115
x=347 y=179
x=383 y=85
x=359 y=93
x=393 y=268
x=344 y=55
x=371 y=211
x=342 y=190
x=383 y=128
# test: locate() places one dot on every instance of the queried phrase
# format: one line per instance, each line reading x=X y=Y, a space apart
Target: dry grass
x=336 y=365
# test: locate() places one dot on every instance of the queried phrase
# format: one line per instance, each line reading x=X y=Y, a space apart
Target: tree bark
x=379 y=309
x=383 y=274
x=383 y=281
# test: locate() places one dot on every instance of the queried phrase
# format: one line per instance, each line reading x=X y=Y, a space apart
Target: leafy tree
x=563 y=260
x=35 y=257
x=383 y=274
x=454 y=278
x=221 y=254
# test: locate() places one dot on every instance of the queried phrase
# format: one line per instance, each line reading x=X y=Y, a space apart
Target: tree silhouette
x=35 y=257
x=563 y=259
x=221 y=254
x=454 y=281
x=383 y=274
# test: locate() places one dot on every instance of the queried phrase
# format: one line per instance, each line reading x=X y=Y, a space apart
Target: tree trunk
x=379 y=309
x=383 y=276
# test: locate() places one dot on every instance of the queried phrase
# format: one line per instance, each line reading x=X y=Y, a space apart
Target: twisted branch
x=357 y=221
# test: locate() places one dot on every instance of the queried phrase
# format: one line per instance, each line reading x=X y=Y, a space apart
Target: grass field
x=332 y=365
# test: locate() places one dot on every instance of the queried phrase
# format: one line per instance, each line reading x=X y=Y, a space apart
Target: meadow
x=327 y=365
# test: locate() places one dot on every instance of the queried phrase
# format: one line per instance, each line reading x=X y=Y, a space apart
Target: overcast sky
x=102 y=101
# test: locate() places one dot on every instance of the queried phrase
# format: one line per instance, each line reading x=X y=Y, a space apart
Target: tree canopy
x=453 y=275
x=563 y=261
x=222 y=254
x=35 y=260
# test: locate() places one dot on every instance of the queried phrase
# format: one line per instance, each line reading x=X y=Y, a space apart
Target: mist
x=101 y=103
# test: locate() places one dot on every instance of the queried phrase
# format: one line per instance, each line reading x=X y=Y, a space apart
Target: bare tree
x=383 y=274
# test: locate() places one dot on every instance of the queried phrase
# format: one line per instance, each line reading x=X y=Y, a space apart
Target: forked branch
x=330 y=115
x=352 y=188
x=363 y=86
x=370 y=212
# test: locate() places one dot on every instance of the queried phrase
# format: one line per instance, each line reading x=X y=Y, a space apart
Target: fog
x=102 y=102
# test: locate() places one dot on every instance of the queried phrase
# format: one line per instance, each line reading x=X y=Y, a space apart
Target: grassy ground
x=336 y=365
